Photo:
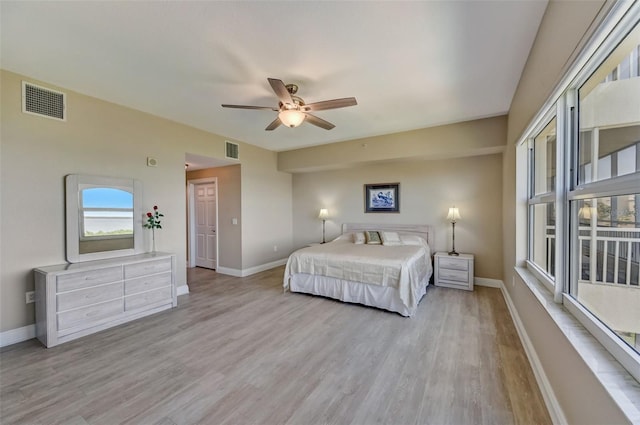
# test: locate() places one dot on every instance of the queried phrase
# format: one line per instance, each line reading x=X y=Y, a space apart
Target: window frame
x=534 y=199
x=563 y=104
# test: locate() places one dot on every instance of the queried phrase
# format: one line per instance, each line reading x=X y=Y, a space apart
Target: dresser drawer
x=86 y=279
x=147 y=283
x=88 y=315
x=453 y=263
x=89 y=296
x=133 y=302
x=146 y=268
x=455 y=275
x=454 y=284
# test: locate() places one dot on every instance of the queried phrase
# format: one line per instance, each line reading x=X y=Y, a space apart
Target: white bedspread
x=402 y=267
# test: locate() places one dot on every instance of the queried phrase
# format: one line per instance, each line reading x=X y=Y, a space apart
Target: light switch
x=234 y=221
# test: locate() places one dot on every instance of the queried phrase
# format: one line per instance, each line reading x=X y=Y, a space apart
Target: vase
x=153 y=240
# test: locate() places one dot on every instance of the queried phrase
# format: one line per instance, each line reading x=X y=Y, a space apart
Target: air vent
x=232 y=150
x=43 y=102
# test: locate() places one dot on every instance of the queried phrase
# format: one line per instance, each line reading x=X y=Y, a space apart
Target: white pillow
x=412 y=240
x=391 y=238
x=358 y=238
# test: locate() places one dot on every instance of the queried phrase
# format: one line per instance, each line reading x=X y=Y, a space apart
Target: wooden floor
x=239 y=351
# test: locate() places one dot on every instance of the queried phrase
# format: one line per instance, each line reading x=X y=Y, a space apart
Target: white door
x=205 y=217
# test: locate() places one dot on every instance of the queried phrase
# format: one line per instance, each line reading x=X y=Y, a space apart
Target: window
x=607 y=238
x=584 y=193
x=542 y=227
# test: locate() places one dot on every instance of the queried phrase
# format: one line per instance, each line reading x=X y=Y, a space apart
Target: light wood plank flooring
x=239 y=351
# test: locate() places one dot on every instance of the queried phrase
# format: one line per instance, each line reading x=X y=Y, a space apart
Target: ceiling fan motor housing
x=297 y=104
x=292 y=88
x=292 y=110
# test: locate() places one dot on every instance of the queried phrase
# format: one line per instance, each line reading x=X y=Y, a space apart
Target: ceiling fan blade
x=312 y=119
x=330 y=104
x=274 y=124
x=281 y=90
x=268 y=108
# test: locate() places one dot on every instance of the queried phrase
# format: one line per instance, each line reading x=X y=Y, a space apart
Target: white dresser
x=454 y=271
x=74 y=300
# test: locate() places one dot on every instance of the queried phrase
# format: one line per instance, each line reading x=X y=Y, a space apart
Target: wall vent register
x=44 y=102
x=231 y=150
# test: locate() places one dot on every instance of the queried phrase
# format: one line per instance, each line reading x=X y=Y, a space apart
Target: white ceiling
x=409 y=64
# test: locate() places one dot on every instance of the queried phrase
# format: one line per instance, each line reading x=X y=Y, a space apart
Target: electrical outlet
x=30 y=297
x=275 y=248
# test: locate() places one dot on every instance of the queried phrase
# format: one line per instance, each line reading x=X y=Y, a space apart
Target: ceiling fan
x=292 y=111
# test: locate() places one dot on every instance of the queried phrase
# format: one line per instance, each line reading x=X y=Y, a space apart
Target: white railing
x=625 y=250
x=551 y=242
x=626 y=238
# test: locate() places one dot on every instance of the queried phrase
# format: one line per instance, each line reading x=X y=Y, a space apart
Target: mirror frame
x=73 y=182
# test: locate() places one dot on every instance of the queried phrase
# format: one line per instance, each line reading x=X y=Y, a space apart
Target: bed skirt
x=384 y=297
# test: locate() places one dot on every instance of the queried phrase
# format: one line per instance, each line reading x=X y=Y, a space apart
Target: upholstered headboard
x=423 y=230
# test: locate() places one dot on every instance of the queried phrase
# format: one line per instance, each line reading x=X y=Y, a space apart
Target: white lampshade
x=453 y=214
x=291 y=117
x=324 y=214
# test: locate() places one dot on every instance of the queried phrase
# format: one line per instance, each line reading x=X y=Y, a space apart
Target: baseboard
x=14 y=336
x=229 y=271
x=550 y=400
x=491 y=283
x=182 y=290
x=251 y=270
x=263 y=267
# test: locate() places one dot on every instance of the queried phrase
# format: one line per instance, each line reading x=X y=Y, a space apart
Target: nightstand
x=454 y=271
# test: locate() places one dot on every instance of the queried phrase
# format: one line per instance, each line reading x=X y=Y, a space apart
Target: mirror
x=103 y=217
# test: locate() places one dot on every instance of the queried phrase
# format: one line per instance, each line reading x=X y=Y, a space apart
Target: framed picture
x=382 y=197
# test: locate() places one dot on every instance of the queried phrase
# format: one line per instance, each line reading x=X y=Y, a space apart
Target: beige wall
x=229 y=207
x=469 y=138
x=102 y=138
x=266 y=209
x=427 y=190
x=581 y=397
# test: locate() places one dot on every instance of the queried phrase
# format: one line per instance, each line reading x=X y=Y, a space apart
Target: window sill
x=540 y=275
x=617 y=382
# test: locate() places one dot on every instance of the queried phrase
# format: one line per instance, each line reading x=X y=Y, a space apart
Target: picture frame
x=382 y=198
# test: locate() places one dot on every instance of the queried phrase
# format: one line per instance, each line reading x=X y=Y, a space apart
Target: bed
x=392 y=275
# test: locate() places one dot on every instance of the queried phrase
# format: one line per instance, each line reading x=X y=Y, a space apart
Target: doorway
x=203 y=222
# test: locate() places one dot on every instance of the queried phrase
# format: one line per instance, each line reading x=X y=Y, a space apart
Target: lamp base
x=453 y=252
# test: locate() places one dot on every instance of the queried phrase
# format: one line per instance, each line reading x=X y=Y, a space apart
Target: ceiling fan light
x=291 y=117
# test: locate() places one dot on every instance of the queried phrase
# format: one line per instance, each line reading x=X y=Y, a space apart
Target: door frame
x=191 y=218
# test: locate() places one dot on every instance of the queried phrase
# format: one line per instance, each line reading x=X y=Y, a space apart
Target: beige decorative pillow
x=358 y=238
x=391 y=238
x=373 y=238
